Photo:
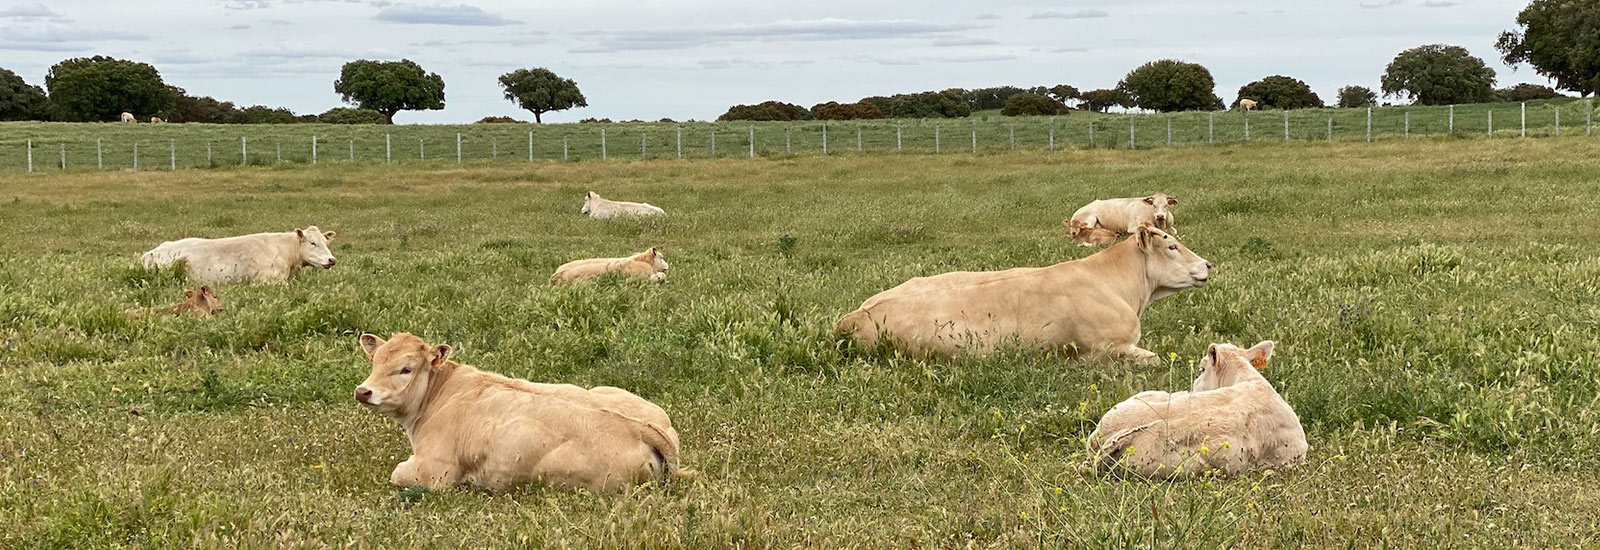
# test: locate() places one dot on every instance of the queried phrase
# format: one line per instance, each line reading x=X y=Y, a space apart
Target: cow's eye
x=406 y=370
x=1173 y=248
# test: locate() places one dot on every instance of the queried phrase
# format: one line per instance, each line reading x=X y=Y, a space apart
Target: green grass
x=162 y=147
x=1433 y=303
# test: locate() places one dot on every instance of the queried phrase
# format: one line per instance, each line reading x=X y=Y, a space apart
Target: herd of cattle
x=474 y=427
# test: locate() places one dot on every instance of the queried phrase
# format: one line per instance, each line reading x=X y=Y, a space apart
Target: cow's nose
x=362 y=394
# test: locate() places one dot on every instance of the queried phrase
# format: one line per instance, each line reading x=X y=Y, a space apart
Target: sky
x=691 y=59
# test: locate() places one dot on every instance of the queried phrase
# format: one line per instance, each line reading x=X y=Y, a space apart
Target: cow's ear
x=300 y=234
x=1172 y=201
x=1147 y=235
x=1211 y=351
x=329 y=234
x=1150 y=201
x=187 y=294
x=588 y=195
x=441 y=354
x=1260 y=354
x=206 y=289
x=369 y=343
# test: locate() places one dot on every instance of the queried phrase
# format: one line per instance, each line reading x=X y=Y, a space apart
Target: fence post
x=100 y=160
x=824 y=138
x=1013 y=130
x=208 y=153
x=936 y=144
x=1588 y=117
x=63 y=156
x=858 y=137
x=714 y=141
x=1052 y=133
x=244 y=150
x=530 y=146
x=135 y=156
x=1369 y=125
x=1524 y=119
x=1169 y=131
x=30 y=156
x=1091 y=134
x=458 y=147
x=680 y=142
x=1491 y=123
x=974 y=135
x=494 y=147
x=1558 y=120
x=897 y=135
x=1247 y=125
x=172 y=155
x=1452 y=129
x=352 y=152
x=1211 y=127
x=786 y=143
x=422 y=150
x=644 y=146
x=1285 y=125
x=1330 y=128
x=1407 y=133
x=279 y=146
x=603 y=143
x=313 y=148
x=563 y=147
x=753 y=141
x=388 y=150
x=1132 y=144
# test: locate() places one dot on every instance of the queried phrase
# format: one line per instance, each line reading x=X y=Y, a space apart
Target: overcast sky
x=685 y=59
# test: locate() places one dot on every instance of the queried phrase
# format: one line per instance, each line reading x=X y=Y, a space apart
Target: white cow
x=262 y=257
x=649 y=265
x=1093 y=305
x=1126 y=215
x=128 y=117
x=1230 y=422
x=156 y=120
x=599 y=208
x=1247 y=104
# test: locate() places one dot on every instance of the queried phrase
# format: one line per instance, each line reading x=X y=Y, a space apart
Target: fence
x=41 y=147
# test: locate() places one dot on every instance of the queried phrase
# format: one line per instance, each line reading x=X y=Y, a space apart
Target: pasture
x=1434 y=304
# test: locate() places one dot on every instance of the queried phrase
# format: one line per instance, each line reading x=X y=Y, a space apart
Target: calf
x=262 y=257
x=1092 y=305
x=199 y=302
x=1126 y=215
x=1085 y=235
x=486 y=430
x=649 y=265
x=599 y=208
x=156 y=120
x=1230 y=422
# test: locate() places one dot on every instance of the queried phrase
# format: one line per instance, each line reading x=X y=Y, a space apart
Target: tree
x=1525 y=92
x=1032 y=105
x=1280 y=92
x=1437 y=74
x=389 y=87
x=102 y=88
x=767 y=110
x=1351 y=97
x=188 y=108
x=834 y=110
x=19 y=100
x=1561 y=39
x=350 y=115
x=541 y=91
x=1102 y=100
x=1062 y=93
x=1170 y=85
x=262 y=114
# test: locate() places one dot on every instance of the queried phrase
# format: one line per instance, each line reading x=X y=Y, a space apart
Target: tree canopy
x=1028 y=104
x=18 y=99
x=1561 y=39
x=102 y=88
x=539 y=90
x=1351 y=97
x=1280 y=92
x=834 y=110
x=1103 y=100
x=766 y=110
x=389 y=87
x=1168 y=85
x=1437 y=74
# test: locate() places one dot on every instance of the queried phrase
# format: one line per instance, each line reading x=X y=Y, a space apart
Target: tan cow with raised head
x=1230 y=422
x=599 y=208
x=261 y=257
x=1092 y=305
x=1086 y=235
x=486 y=430
x=649 y=265
x=1126 y=215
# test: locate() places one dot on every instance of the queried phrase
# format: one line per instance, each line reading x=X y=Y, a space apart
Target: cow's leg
x=417 y=471
x=1137 y=355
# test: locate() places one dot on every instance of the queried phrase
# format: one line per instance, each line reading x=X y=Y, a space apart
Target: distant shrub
x=834 y=110
x=1526 y=92
x=498 y=120
x=1032 y=105
x=768 y=111
x=667 y=120
x=1280 y=92
x=595 y=121
x=1351 y=97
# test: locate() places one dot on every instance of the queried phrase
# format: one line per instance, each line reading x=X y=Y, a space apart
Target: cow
x=128 y=117
x=262 y=257
x=599 y=208
x=1125 y=215
x=1230 y=422
x=649 y=265
x=156 y=120
x=1091 y=306
x=468 y=426
x=200 y=302
x=1247 y=104
x=1085 y=235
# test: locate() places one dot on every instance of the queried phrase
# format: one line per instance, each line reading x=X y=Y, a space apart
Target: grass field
x=1434 y=304
x=181 y=146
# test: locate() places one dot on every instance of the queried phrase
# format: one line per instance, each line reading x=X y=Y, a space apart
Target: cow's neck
x=439 y=379
x=1128 y=273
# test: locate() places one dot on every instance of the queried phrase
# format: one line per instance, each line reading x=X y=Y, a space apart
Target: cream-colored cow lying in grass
x=650 y=265
x=599 y=208
x=1091 y=305
x=486 y=430
x=262 y=257
x=1231 y=422
x=1087 y=235
x=1126 y=215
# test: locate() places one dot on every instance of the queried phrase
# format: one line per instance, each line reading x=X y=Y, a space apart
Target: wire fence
x=45 y=147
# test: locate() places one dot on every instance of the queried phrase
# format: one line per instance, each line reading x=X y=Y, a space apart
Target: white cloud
x=1086 y=13
x=458 y=15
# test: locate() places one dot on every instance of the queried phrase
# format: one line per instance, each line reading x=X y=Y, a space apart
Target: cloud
x=260 y=4
x=885 y=61
x=458 y=15
x=987 y=16
x=180 y=57
x=1442 y=3
x=1069 y=49
x=43 y=47
x=788 y=30
x=1087 y=13
x=951 y=42
x=36 y=12
x=974 y=58
x=239 y=27
x=1380 y=4
x=57 y=34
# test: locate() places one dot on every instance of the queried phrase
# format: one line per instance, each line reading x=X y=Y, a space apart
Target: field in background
x=168 y=146
x=1434 y=304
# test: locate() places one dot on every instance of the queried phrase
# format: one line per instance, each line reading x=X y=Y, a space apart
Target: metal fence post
x=603 y=143
x=1247 y=125
x=352 y=152
x=313 y=148
x=63 y=156
x=858 y=137
x=244 y=150
x=563 y=147
x=494 y=147
x=1013 y=130
x=1558 y=120
x=1286 y=125
x=1211 y=127
x=208 y=154
x=1407 y=133
x=1588 y=117
x=172 y=155
x=824 y=138
x=30 y=156
x=680 y=142
x=1330 y=128
x=1524 y=119
x=1369 y=125
x=99 y=159
x=714 y=142
x=936 y=144
x=786 y=143
x=136 y=156
x=753 y=141
x=1052 y=133
x=644 y=146
x=1091 y=135
x=897 y=135
x=1132 y=144
x=1491 y=124
x=974 y=135
x=530 y=146
x=388 y=150
x=1169 y=131
x=422 y=150
x=279 y=146
x=1451 y=130
x=458 y=147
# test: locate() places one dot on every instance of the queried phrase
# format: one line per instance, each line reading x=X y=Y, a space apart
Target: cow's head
x=588 y=199
x=1160 y=214
x=314 y=249
x=1225 y=365
x=1076 y=226
x=401 y=368
x=657 y=261
x=202 y=300
x=1170 y=265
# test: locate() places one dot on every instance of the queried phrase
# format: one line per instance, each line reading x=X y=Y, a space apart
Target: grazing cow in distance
x=156 y=120
x=1247 y=104
x=599 y=208
x=1091 y=306
x=1086 y=235
x=494 y=432
x=649 y=265
x=128 y=117
x=262 y=257
x=1126 y=215
x=1230 y=422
